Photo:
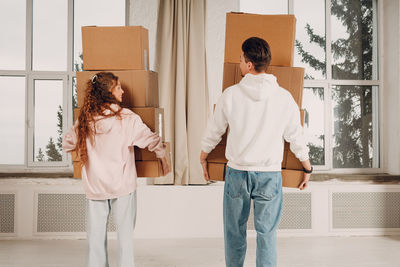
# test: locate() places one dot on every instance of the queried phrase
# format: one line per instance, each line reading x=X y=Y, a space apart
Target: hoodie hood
x=258 y=87
x=105 y=124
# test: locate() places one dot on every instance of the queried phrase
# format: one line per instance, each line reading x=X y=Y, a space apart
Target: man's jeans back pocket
x=268 y=184
x=235 y=183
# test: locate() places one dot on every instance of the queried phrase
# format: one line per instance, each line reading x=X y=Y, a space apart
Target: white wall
x=391 y=93
x=145 y=13
x=215 y=44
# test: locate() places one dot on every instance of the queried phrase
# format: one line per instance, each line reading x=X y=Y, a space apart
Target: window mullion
x=328 y=57
x=291 y=6
x=328 y=88
x=127 y=12
x=28 y=83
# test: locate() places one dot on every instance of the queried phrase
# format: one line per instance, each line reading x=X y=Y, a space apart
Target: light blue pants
x=124 y=216
x=265 y=188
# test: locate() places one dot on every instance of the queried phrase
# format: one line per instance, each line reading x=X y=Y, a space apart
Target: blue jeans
x=265 y=188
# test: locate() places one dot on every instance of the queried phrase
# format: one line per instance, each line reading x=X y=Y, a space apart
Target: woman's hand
x=166 y=167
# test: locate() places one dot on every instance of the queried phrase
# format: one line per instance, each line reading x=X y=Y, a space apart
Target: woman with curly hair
x=104 y=136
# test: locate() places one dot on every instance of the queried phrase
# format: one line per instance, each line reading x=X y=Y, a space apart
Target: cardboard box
x=292 y=178
x=77 y=170
x=145 y=154
x=216 y=171
x=217 y=155
x=153 y=118
x=290 y=78
x=289 y=159
x=76 y=113
x=278 y=30
x=140 y=87
x=149 y=168
x=75 y=156
x=115 y=48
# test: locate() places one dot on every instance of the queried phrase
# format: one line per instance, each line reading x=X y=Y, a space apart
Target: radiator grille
x=366 y=210
x=7 y=212
x=63 y=213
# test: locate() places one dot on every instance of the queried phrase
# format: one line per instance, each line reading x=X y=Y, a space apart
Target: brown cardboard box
x=149 y=168
x=115 y=48
x=290 y=78
x=292 y=178
x=77 y=170
x=224 y=138
x=75 y=156
x=289 y=159
x=216 y=171
x=140 y=87
x=217 y=155
x=153 y=118
x=145 y=154
x=278 y=30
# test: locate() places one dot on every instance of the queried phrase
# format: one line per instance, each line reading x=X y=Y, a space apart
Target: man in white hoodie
x=260 y=115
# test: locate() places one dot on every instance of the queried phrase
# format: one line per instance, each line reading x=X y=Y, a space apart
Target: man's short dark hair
x=257 y=51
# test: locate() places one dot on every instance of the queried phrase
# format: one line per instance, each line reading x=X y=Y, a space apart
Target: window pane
x=50 y=18
x=354 y=41
x=95 y=12
x=12 y=120
x=12 y=29
x=48 y=120
x=310 y=38
x=313 y=104
x=74 y=94
x=264 y=6
x=353 y=145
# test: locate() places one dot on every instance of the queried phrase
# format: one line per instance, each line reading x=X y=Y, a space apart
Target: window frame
x=328 y=83
x=30 y=76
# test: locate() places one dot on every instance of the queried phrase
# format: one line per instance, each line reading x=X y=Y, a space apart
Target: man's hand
x=304 y=183
x=307 y=166
x=203 y=162
x=166 y=167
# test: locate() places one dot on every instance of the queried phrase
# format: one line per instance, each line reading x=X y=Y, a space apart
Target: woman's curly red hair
x=98 y=98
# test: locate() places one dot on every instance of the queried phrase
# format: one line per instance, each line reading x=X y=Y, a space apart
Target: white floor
x=293 y=252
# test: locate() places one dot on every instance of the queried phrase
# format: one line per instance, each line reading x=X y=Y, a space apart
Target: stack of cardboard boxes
x=124 y=51
x=279 y=32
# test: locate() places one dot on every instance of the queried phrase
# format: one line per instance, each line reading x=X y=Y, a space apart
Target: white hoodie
x=260 y=115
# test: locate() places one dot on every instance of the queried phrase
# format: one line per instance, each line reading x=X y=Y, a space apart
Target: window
x=337 y=44
x=39 y=58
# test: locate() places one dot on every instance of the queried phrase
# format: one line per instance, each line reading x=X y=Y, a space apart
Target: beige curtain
x=181 y=66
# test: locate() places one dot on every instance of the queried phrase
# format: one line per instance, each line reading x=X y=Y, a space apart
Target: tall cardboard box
x=217 y=155
x=153 y=118
x=278 y=30
x=216 y=171
x=152 y=168
x=292 y=178
x=289 y=159
x=290 y=78
x=145 y=154
x=140 y=87
x=115 y=48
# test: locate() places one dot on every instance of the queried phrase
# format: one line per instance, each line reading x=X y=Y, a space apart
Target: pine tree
x=352 y=60
x=59 y=128
x=52 y=152
x=40 y=155
x=78 y=67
